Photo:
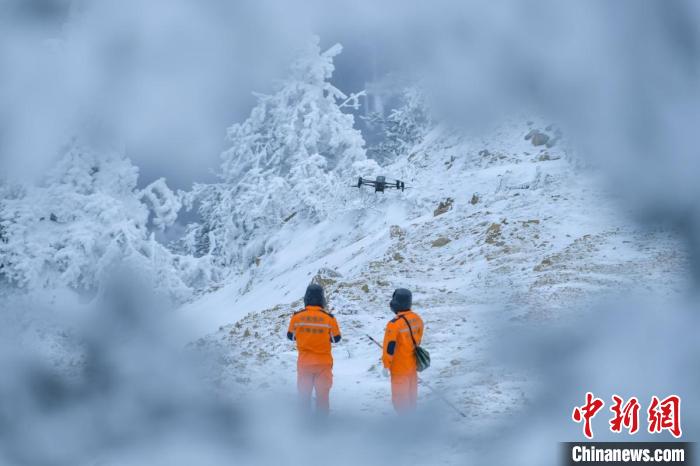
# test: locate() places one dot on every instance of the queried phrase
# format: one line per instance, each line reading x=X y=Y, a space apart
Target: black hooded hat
x=314 y=296
x=401 y=300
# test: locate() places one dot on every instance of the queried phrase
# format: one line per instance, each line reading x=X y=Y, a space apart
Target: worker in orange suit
x=398 y=355
x=314 y=330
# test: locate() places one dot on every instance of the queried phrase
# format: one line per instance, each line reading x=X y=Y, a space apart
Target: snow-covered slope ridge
x=492 y=229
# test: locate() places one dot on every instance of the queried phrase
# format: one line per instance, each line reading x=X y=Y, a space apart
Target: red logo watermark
x=661 y=414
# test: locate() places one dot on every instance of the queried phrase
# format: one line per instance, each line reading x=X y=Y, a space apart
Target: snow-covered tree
x=286 y=160
x=85 y=217
x=403 y=128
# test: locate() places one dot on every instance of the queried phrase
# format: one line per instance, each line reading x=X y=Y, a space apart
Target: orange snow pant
x=318 y=377
x=404 y=391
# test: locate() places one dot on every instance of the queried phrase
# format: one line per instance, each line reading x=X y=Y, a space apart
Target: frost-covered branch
x=164 y=203
x=354 y=100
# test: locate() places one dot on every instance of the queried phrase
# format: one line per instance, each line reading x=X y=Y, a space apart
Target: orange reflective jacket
x=398 y=354
x=314 y=329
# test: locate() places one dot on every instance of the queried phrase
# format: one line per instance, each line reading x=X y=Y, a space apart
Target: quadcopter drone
x=380 y=184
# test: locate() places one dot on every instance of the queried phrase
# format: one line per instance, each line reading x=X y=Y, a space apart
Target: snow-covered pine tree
x=403 y=128
x=84 y=218
x=287 y=160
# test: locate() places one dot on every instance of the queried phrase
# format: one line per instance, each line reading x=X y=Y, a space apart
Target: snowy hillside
x=492 y=230
x=175 y=174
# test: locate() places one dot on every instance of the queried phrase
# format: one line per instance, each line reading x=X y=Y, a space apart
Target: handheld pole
x=437 y=393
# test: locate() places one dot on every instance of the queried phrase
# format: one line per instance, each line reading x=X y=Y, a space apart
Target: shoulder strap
x=410 y=331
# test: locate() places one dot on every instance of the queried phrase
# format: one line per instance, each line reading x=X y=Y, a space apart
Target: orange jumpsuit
x=314 y=330
x=399 y=358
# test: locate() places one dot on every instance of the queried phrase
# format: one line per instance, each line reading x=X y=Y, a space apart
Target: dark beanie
x=314 y=296
x=401 y=300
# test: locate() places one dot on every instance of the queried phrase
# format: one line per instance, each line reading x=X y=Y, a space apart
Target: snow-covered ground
x=524 y=236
